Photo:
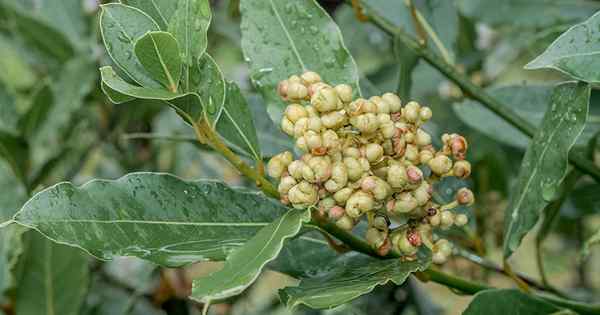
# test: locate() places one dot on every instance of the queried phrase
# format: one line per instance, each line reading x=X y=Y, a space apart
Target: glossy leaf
x=190 y=26
x=39 y=34
x=574 y=53
x=158 y=52
x=114 y=96
x=33 y=119
x=54 y=278
x=15 y=151
x=298 y=256
x=283 y=38
x=245 y=264
x=211 y=87
x=529 y=102
x=116 y=83
x=349 y=277
x=508 y=301
x=545 y=163
x=160 y=10
x=120 y=27
x=236 y=124
x=157 y=217
x=527 y=13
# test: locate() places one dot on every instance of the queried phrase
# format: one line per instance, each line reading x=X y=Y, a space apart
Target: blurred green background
x=50 y=52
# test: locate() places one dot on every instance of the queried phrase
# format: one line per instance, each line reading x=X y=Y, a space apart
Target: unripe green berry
x=344 y=92
x=325 y=100
x=444 y=247
x=397 y=177
x=282 y=89
x=436 y=219
x=387 y=129
x=461 y=219
x=393 y=100
x=423 y=193
x=464 y=196
x=312 y=112
x=404 y=203
x=440 y=165
x=414 y=174
x=383 y=107
x=373 y=152
x=285 y=184
x=295 y=79
x=446 y=219
x=410 y=112
x=278 y=164
x=321 y=168
x=461 y=169
x=345 y=223
x=295 y=169
x=339 y=178
x=404 y=245
x=333 y=120
x=325 y=205
x=300 y=127
x=375 y=237
x=425 y=113
x=376 y=186
x=422 y=138
x=365 y=123
x=301 y=144
x=354 y=168
x=411 y=153
x=439 y=258
x=361 y=106
x=296 y=91
x=352 y=152
x=381 y=222
x=293 y=112
x=313 y=139
x=314 y=124
x=303 y=195
x=425 y=156
x=359 y=203
x=331 y=140
x=342 y=195
x=310 y=77
x=287 y=126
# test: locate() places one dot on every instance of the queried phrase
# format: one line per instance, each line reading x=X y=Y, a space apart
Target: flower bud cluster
x=369 y=157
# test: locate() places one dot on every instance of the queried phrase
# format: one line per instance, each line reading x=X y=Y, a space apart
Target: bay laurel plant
x=365 y=191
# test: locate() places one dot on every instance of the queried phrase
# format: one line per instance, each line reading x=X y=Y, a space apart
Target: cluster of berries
x=369 y=157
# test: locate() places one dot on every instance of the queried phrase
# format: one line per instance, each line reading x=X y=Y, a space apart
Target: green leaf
x=210 y=86
x=545 y=163
x=158 y=52
x=160 y=10
x=157 y=217
x=283 y=38
x=189 y=25
x=114 y=96
x=527 y=13
x=32 y=120
x=575 y=52
x=244 y=265
x=54 y=278
x=349 y=277
x=236 y=124
x=592 y=241
x=39 y=34
x=298 y=256
x=15 y=151
x=120 y=27
x=508 y=301
x=188 y=105
x=529 y=102
x=16 y=73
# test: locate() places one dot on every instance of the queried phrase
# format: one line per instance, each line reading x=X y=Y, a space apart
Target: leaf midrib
x=287 y=34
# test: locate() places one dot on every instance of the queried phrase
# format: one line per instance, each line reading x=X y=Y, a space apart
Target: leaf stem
x=204 y=130
x=470 y=89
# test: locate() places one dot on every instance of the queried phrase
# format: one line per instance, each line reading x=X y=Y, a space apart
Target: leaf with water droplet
x=545 y=162
x=121 y=26
x=286 y=46
x=158 y=52
x=210 y=85
x=160 y=10
x=574 y=53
